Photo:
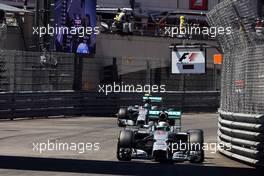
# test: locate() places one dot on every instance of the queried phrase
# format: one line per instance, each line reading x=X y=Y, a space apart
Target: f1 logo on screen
x=189 y=56
x=188 y=62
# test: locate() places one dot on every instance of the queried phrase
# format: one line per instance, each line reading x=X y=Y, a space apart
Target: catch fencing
x=37 y=84
x=241 y=120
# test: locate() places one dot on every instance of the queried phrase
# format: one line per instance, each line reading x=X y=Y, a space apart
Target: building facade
x=136 y=65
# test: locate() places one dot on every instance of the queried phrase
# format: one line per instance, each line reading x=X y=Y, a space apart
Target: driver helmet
x=162 y=126
x=147 y=106
x=163 y=117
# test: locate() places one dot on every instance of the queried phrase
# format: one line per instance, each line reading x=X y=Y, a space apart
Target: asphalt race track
x=17 y=156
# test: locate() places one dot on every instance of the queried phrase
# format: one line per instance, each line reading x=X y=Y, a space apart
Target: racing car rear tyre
x=197 y=137
x=122 y=113
x=125 y=143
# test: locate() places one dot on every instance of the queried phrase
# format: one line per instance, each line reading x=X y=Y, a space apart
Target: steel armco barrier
x=242 y=136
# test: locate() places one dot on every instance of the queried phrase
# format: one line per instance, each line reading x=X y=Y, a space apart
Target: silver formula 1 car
x=138 y=115
x=161 y=141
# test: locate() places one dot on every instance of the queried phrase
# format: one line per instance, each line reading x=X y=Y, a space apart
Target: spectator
x=157 y=27
x=120 y=16
x=182 y=24
x=119 y=19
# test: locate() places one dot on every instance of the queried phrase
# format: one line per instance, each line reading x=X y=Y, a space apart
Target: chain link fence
x=243 y=67
x=35 y=71
x=38 y=71
x=241 y=116
x=3 y=34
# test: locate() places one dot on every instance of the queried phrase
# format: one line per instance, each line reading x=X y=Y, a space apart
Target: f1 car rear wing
x=152 y=99
x=152 y=114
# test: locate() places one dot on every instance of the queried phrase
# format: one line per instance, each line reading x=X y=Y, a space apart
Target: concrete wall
x=164 y=5
x=144 y=60
x=137 y=50
x=92 y=68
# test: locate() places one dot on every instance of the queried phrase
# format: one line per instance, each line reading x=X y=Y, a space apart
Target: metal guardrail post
x=13 y=106
x=78 y=70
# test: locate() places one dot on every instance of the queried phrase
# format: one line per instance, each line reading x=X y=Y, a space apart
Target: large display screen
x=76 y=23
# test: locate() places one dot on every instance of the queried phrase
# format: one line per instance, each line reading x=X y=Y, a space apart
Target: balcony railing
x=151 y=30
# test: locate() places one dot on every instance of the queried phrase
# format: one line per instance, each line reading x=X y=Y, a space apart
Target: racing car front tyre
x=122 y=114
x=196 y=141
x=124 y=145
